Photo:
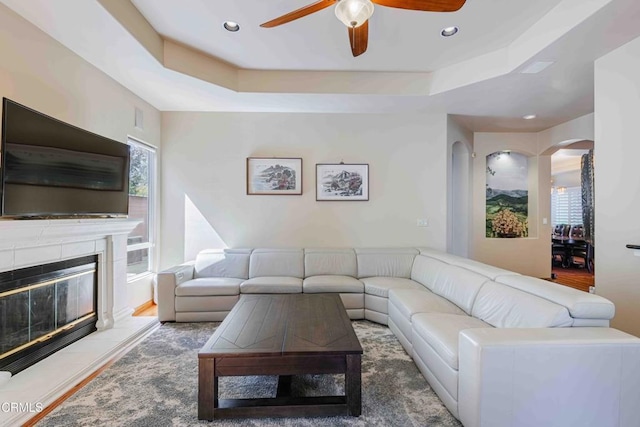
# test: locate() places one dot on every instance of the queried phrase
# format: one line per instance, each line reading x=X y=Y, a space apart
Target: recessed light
x=231 y=26
x=529 y=117
x=449 y=31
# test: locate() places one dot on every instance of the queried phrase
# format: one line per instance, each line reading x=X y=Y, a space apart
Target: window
x=140 y=242
x=566 y=206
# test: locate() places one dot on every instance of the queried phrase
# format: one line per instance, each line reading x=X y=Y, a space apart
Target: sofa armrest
x=167 y=281
x=548 y=376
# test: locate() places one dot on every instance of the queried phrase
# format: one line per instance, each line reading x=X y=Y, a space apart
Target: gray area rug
x=156 y=384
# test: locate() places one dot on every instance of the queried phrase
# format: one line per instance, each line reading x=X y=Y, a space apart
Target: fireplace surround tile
x=6 y=260
x=76 y=249
x=25 y=257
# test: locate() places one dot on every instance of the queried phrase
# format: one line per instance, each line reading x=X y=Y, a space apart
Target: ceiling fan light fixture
x=231 y=26
x=449 y=31
x=354 y=13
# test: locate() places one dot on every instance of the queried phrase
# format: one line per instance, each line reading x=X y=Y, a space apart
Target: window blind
x=566 y=207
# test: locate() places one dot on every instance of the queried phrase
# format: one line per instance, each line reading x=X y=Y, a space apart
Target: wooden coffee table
x=281 y=335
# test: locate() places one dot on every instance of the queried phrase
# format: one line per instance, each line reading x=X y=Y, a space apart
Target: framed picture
x=342 y=181
x=274 y=175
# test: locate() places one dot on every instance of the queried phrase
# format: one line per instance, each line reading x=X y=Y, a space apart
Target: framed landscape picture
x=507 y=195
x=274 y=175
x=342 y=181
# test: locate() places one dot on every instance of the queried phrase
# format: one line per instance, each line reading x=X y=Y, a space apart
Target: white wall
x=617 y=192
x=203 y=168
x=529 y=255
x=37 y=71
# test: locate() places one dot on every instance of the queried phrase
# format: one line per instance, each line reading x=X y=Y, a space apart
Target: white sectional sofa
x=499 y=348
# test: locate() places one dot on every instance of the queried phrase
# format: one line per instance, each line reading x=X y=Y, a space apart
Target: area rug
x=156 y=384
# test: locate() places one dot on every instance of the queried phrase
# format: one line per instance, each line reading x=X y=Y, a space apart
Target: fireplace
x=45 y=308
x=29 y=248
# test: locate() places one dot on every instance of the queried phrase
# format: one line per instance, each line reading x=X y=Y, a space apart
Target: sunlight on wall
x=198 y=233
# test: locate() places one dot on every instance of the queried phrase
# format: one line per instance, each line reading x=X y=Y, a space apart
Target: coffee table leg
x=353 y=385
x=207 y=388
x=284 y=386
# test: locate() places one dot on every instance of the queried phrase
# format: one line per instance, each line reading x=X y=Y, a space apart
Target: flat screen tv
x=52 y=169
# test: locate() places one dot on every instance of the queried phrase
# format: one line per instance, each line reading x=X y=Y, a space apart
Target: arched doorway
x=459 y=200
x=573 y=259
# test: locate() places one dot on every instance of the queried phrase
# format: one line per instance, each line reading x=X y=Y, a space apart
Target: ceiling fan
x=355 y=15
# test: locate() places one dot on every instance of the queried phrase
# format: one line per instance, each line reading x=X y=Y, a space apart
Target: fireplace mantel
x=25 y=243
x=37 y=232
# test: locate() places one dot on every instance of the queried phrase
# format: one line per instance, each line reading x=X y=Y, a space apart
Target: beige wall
x=529 y=255
x=459 y=178
x=617 y=201
x=37 y=71
x=203 y=169
x=578 y=129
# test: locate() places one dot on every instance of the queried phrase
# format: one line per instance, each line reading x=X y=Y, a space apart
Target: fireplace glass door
x=39 y=305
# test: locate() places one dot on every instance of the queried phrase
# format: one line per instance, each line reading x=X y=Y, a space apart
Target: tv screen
x=52 y=169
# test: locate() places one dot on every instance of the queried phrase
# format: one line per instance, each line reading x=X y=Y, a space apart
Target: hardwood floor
x=146 y=309
x=577 y=278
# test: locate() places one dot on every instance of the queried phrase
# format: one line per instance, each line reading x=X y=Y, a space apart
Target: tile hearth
x=41 y=384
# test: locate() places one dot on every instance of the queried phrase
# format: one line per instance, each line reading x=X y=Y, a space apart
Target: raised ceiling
x=399 y=40
x=177 y=56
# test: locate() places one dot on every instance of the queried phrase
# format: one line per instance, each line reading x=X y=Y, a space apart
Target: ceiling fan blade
x=359 y=37
x=424 y=5
x=300 y=13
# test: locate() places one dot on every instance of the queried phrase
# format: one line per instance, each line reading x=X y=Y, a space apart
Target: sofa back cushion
x=505 y=307
x=388 y=262
x=425 y=270
x=459 y=285
x=276 y=262
x=581 y=305
x=323 y=262
x=477 y=267
x=222 y=263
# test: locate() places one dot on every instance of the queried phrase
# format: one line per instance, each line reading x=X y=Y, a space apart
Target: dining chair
x=585 y=252
x=558 y=255
x=577 y=231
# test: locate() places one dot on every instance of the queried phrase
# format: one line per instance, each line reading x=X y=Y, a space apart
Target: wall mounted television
x=52 y=169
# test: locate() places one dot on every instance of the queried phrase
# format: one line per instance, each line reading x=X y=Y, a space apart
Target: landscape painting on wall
x=342 y=181
x=507 y=195
x=271 y=175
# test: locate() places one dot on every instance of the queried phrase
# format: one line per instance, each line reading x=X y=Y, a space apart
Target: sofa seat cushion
x=272 y=285
x=413 y=301
x=209 y=286
x=331 y=283
x=380 y=286
x=441 y=330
